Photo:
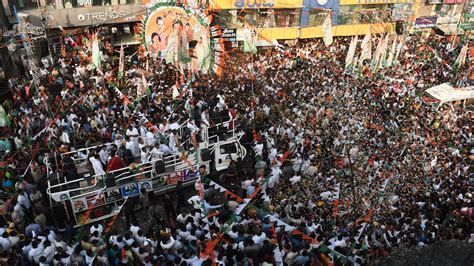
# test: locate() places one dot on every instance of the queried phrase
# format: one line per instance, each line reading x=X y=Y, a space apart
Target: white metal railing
x=173 y=161
x=170 y=161
x=87 y=149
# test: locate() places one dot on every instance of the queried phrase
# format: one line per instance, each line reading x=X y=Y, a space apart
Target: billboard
x=310 y=5
x=177 y=36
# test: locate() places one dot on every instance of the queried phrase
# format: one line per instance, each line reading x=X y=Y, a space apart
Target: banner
x=327 y=30
x=351 y=52
x=180 y=36
x=426 y=22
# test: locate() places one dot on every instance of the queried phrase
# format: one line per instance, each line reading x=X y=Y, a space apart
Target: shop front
x=274 y=19
x=352 y=17
x=90 y=16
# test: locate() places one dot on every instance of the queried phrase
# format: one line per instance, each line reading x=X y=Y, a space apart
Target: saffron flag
x=351 y=52
x=327 y=30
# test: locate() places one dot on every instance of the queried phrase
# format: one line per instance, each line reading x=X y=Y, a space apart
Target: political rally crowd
x=343 y=165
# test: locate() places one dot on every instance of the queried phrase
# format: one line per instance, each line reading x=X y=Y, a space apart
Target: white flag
x=391 y=54
x=366 y=47
x=351 y=51
x=400 y=45
x=327 y=30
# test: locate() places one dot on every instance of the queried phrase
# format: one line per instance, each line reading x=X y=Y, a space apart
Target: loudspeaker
x=159 y=167
x=206 y=155
x=399 y=27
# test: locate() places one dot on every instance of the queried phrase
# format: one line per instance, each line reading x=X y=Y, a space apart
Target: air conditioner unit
x=432 y=2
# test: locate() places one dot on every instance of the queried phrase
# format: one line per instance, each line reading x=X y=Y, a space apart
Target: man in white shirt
x=150 y=137
x=97 y=165
x=104 y=155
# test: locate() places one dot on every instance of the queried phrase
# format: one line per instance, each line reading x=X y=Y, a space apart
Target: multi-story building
x=292 y=19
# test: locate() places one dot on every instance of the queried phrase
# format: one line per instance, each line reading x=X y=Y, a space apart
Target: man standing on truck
x=115 y=162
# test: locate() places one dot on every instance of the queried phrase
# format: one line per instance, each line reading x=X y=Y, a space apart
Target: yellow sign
x=250 y=4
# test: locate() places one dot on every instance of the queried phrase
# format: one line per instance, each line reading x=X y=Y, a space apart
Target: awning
x=127 y=39
x=447 y=93
x=448 y=30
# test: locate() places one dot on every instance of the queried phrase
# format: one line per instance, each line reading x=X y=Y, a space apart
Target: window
x=364 y=14
x=228 y=149
x=317 y=17
x=260 y=18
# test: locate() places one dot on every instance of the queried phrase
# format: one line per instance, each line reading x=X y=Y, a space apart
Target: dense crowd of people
x=343 y=165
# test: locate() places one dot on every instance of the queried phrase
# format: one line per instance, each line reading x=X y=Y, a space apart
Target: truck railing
x=170 y=161
x=86 y=150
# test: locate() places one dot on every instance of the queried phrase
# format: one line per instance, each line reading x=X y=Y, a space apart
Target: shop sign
x=229 y=35
x=425 y=22
x=455 y=1
x=467 y=26
x=254 y=3
x=101 y=16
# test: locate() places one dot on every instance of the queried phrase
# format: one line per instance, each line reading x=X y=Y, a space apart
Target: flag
x=383 y=57
x=327 y=30
x=68 y=37
x=461 y=60
x=377 y=54
x=391 y=54
x=121 y=63
x=351 y=51
x=400 y=45
x=366 y=46
x=142 y=86
x=95 y=52
x=250 y=40
x=3 y=117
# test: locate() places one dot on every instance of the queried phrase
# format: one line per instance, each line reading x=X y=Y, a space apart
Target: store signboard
x=469 y=13
x=425 y=22
x=455 y=1
x=255 y=4
x=94 y=15
x=370 y=2
x=229 y=34
x=467 y=26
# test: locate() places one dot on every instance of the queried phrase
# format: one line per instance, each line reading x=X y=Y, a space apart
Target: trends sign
x=101 y=16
